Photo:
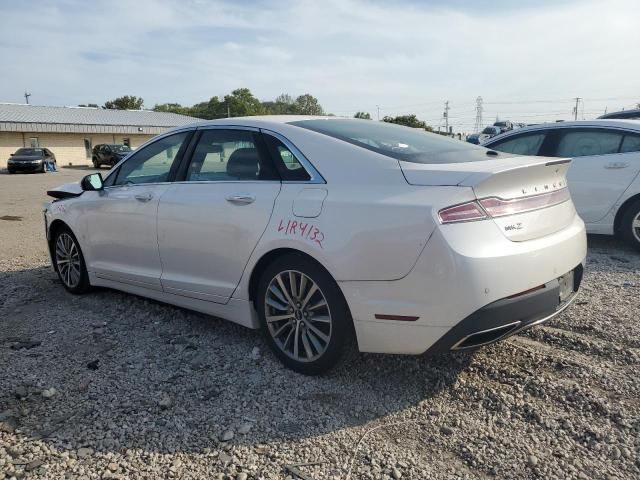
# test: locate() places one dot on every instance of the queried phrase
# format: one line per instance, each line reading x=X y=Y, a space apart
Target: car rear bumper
x=462 y=286
x=508 y=316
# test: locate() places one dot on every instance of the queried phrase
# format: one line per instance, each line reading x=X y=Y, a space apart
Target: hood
x=67 y=190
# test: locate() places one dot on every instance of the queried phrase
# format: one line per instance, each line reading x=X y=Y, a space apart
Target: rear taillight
x=493 y=207
x=462 y=213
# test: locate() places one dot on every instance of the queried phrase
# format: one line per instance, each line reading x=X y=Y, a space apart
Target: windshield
x=489 y=130
x=401 y=143
x=120 y=148
x=31 y=152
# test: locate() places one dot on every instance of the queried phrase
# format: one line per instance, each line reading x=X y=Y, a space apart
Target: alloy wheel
x=68 y=260
x=298 y=316
x=635 y=227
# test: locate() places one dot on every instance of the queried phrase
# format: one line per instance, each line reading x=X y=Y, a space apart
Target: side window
x=630 y=143
x=521 y=145
x=229 y=155
x=582 y=143
x=288 y=165
x=153 y=163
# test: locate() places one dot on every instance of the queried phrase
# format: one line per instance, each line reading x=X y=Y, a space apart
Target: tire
x=96 y=165
x=321 y=331
x=66 y=253
x=11 y=172
x=630 y=224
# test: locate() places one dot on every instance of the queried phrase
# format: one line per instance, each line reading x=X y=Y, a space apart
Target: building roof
x=36 y=118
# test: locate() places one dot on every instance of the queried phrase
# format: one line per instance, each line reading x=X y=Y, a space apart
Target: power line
x=478 y=123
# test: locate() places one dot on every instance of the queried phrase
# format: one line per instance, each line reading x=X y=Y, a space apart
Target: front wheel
x=69 y=262
x=303 y=313
x=630 y=224
x=96 y=164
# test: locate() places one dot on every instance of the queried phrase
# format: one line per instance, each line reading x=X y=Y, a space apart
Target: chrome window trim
x=546 y=129
x=205 y=182
x=315 y=176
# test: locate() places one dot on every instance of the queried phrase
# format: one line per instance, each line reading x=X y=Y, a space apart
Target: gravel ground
x=109 y=385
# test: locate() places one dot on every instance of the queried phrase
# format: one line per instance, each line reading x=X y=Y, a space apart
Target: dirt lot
x=108 y=385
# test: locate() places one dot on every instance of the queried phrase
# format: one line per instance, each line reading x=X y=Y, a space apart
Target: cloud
x=406 y=56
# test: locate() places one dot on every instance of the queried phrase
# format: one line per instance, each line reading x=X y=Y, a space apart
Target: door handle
x=241 y=199
x=144 y=197
x=614 y=165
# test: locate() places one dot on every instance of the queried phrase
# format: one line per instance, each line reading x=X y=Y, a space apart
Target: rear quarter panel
x=373 y=224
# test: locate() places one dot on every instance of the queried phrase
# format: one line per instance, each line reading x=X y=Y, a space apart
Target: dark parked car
x=486 y=134
x=108 y=154
x=633 y=114
x=30 y=160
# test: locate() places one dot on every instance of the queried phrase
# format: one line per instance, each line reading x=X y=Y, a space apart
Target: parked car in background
x=486 y=134
x=503 y=125
x=632 y=114
x=30 y=159
x=108 y=154
x=604 y=176
x=312 y=228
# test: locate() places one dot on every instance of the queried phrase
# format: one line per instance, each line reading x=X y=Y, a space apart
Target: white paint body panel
x=205 y=240
x=377 y=235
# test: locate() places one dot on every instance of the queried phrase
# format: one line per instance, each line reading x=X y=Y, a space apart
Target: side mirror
x=92 y=182
x=11 y=154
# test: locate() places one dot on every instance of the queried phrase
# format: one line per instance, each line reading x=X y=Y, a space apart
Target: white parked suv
x=603 y=178
x=315 y=228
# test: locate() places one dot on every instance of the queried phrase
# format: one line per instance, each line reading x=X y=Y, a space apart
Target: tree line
x=242 y=103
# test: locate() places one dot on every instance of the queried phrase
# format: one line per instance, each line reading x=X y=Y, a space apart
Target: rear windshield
x=120 y=148
x=33 y=152
x=395 y=141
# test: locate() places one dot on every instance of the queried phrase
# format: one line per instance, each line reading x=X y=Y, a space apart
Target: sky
x=527 y=59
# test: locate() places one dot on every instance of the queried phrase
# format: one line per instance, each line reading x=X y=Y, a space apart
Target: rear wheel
x=303 y=313
x=630 y=224
x=69 y=262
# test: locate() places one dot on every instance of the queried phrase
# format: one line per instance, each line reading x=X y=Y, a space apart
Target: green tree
x=172 y=108
x=362 y=115
x=308 y=105
x=128 y=102
x=242 y=103
x=407 y=121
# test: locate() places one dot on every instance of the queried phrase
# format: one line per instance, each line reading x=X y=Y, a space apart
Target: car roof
x=604 y=123
x=629 y=114
x=264 y=121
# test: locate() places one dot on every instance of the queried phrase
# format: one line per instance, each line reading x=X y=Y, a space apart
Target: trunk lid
x=536 y=183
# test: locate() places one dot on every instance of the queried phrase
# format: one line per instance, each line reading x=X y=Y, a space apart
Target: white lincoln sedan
x=315 y=229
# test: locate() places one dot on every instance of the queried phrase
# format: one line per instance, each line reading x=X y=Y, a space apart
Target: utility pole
x=575 y=109
x=26 y=97
x=446 y=116
x=478 y=124
x=228 y=110
x=378 y=107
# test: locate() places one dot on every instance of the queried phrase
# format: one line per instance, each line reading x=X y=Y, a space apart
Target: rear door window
x=582 y=143
x=229 y=155
x=526 y=144
x=288 y=165
x=630 y=143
